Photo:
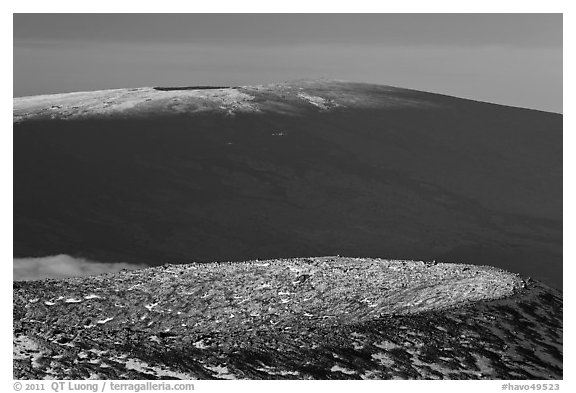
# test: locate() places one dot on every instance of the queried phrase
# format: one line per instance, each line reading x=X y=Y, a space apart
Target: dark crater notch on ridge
x=193 y=88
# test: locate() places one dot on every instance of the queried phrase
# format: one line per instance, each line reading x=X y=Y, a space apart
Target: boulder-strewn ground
x=321 y=318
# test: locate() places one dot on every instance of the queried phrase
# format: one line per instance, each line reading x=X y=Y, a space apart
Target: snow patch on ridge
x=318 y=102
x=140 y=101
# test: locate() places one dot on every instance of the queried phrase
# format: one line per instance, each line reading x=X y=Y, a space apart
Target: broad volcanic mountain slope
x=159 y=175
x=301 y=318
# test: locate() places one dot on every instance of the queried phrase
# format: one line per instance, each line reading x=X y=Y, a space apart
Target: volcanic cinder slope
x=300 y=318
x=305 y=168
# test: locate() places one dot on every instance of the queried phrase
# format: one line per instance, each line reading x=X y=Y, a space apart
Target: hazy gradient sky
x=512 y=59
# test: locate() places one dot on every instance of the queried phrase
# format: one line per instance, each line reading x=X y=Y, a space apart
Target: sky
x=511 y=59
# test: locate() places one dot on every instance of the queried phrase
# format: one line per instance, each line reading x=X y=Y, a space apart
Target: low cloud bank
x=62 y=266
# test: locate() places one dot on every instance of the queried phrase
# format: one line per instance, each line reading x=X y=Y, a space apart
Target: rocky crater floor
x=303 y=318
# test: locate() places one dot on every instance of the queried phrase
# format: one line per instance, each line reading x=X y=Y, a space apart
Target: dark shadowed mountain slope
x=305 y=168
x=312 y=318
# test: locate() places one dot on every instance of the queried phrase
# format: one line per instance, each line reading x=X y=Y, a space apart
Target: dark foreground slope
x=154 y=176
x=313 y=318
